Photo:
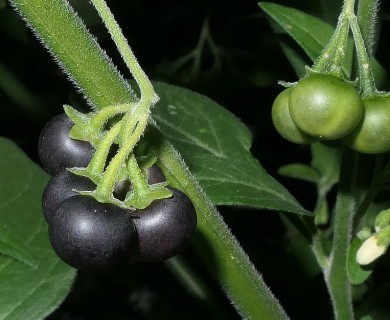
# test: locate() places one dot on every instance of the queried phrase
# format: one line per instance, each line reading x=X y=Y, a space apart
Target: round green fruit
x=283 y=122
x=325 y=107
x=372 y=135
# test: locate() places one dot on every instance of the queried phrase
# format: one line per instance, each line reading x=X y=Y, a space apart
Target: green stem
x=62 y=32
x=366 y=77
x=100 y=119
x=131 y=118
x=95 y=168
x=106 y=185
x=218 y=248
x=332 y=56
x=137 y=115
x=336 y=275
x=367 y=18
x=136 y=176
x=214 y=242
x=146 y=87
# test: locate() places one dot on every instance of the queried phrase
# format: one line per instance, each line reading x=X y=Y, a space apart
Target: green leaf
x=300 y=171
x=312 y=34
x=296 y=60
x=11 y=246
x=215 y=146
x=33 y=289
x=357 y=274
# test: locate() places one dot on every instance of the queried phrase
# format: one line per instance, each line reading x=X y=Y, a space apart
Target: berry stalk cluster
x=325 y=106
x=91 y=235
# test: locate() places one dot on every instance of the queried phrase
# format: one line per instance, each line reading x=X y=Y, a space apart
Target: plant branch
x=56 y=23
x=219 y=250
x=336 y=275
x=366 y=77
x=367 y=16
x=146 y=87
x=58 y=27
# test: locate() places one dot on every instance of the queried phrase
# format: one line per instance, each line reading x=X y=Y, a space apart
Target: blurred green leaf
x=11 y=246
x=215 y=145
x=300 y=171
x=27 y=292
x=296 y=60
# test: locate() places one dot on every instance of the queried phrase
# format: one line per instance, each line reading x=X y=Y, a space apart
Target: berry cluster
x=321 y=107
x=90 y=235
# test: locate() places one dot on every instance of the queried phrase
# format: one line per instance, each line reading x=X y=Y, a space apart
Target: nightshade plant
x=334 y=109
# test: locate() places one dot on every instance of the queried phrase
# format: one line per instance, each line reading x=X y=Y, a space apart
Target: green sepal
x=79 y=130
x=104 y=199
x=141 y=199
x=87 y=173
x=383 y=237
x=382 y=220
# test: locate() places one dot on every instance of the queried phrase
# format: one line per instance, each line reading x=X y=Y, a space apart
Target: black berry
x=57 y=151
x=59 y=188
x=89 y=235
x=165 y=227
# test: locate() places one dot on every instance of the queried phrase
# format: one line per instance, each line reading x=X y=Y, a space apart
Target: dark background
x=252 y=61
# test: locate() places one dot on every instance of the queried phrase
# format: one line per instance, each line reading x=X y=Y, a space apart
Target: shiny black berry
x=165 y=227
x=61 y=187
x=57 y=151
x=89 y=235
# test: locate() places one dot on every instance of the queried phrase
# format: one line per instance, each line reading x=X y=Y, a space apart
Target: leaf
x=27 y=292
x=215 y=146
x=357 y=274
x=11 y=246
x=299 y=171
x=296 y=60
x=312 y=35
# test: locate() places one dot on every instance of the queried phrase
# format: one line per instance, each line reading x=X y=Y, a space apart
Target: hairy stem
x=332 y=56
x=55 y=21
x=366 y=77
x=57 y=26
x=217 y=247
x=336 y=275
x=128 y=56
x=367 y=16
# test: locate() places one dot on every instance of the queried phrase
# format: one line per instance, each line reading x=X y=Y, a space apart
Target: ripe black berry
x=89 y=235
x=165 y=227
x=59 y=188
x=57 y=151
